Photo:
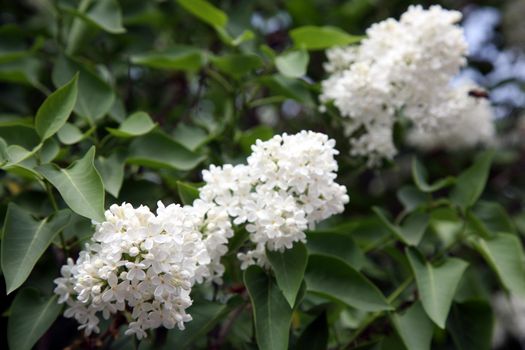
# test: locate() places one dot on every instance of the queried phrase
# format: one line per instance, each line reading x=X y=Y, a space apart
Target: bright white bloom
x=136 y=262
x=470 y=123
x=287 y=185
x=303 y=166
x=509 y=312
x=402 y=67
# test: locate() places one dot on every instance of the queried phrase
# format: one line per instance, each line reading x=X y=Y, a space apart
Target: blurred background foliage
x=208 y=88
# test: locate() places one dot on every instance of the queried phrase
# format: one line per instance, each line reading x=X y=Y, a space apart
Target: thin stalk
x=53 y=201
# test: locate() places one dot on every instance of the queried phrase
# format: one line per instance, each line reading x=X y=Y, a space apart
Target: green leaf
x=414 y=327
x=4 y=156
x=492 y=217
x=25 y=240
x=158 y=150
x=79 y=185
x=292 y=64
x=191 y=137
x=104 y=14
x=205 y=11
x=332 y=278
x=320 y=38
x=31 y=315
x=177 y=58
x=95 y=96
x=55 y=110
x=70 y=134
x=24 y=71
x=289 y=267
x=21 y=135
x=287 y=87
x=504 y=253
x=436 y=284
x=471 y=183
x=413 y=227
x=237 y=65
x=111 y=170
x=49 y=151
x=470 y=325
x=205 y=315
x=271 y=311
x=188 y=193
x=315 y=335
x=245 y=36
x=337 y=245
x=419 y=173
x=250 y=136
x=139 y=123
x=411 y=197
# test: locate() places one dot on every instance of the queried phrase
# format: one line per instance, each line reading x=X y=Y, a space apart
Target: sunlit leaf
x=205 y=11
x=320 y=38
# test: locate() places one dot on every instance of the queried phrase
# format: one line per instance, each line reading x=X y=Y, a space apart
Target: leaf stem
x=51 y=196
x=53 y=201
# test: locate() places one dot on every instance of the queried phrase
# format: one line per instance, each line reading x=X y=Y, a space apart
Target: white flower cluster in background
x=139 y=262
x=287 y=185
x=402 y=68
x=509 y=312
x=471 y=123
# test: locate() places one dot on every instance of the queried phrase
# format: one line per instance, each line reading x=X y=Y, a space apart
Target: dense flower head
x=287 y=185
x=403 y=67
x=137 y=262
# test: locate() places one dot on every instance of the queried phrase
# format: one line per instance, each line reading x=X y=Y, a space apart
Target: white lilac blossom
x=471 y=123
x=287 y=185
x=404 y=68
x=138 y=263
x=509 y=319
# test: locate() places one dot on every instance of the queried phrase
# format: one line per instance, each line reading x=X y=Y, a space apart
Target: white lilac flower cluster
x=145 y=264
x=140 y=262
x=287 y=185
x=402 y=68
